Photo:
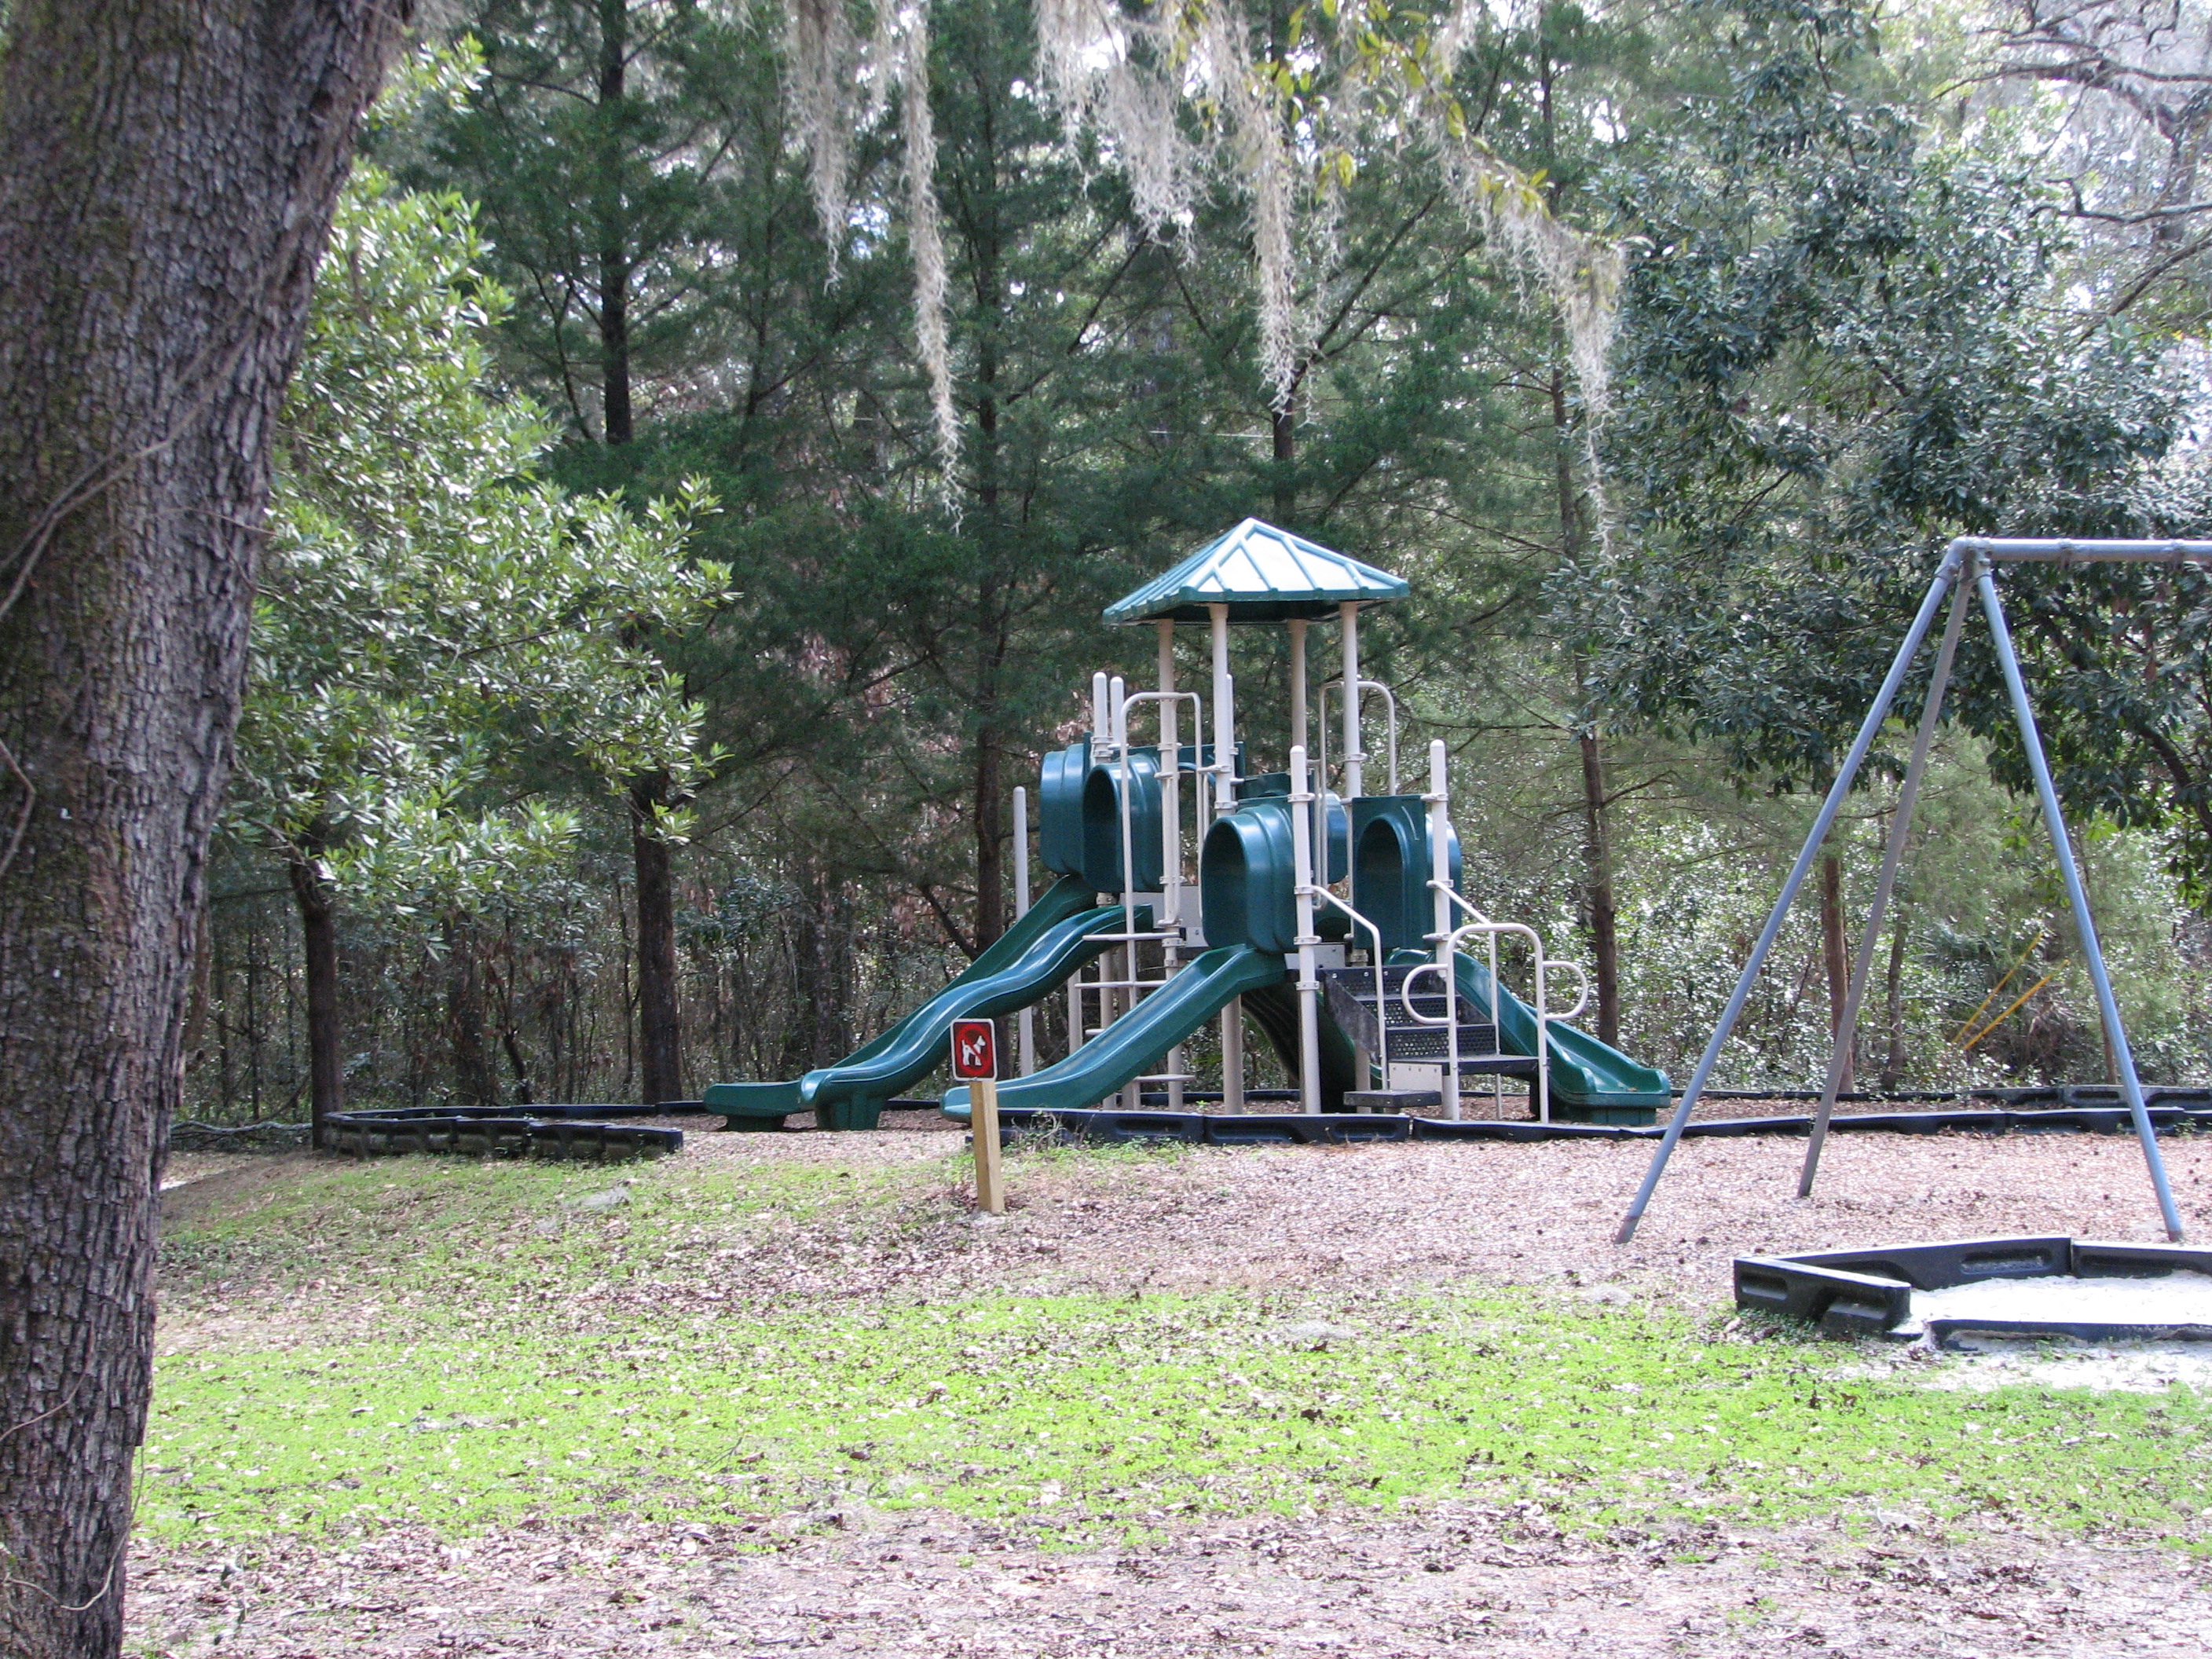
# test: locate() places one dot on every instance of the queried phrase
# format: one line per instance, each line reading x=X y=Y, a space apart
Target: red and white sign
x=975 y=1049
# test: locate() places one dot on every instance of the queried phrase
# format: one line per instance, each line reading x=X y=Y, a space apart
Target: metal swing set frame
x=1968 y=562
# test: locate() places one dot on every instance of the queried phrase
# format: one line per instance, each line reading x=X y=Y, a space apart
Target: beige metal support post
x=1354 y=760
x=1308 y=982
x=1171 y=782
x=1439 y=800
x=1171 y=834
x=1224 y=715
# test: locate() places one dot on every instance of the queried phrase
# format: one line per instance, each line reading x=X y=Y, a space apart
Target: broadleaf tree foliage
x=910 y=619
x=431 y=619
x=1846 y=340
x=1661 y=347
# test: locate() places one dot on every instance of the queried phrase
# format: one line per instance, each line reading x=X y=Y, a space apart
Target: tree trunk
x=820 y=947
x=1283 y=428
x=1597 y=838
x=1604 y=914
x=992 y=629
x=614 y=221
x=1892 y=1068
x=1833 y=955
x=167 y=176
x=474 y=1080
x=318 y=935
x=660 y=1021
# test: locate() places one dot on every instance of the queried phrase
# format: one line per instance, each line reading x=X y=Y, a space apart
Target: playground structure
x=1332 y=918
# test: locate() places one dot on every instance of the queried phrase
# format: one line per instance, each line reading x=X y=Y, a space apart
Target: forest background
x=665 y=594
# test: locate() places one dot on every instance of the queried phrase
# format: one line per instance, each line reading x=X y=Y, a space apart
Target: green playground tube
x=1131 y=1046
x=765 y=1105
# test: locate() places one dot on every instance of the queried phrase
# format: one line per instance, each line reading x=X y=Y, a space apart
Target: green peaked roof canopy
x=1262 y=574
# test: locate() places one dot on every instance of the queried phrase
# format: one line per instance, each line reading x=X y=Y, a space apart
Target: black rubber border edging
x=489 y=1131
x=1869 y=1293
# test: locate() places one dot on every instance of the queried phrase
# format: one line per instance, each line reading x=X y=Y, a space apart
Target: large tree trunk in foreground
x=166 y=175
x=659 y=1016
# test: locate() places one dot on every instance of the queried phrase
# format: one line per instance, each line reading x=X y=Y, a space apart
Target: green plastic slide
x=1586 y=1076
x=1275 y=1010
x=1050 y=941
x=1132 y=1045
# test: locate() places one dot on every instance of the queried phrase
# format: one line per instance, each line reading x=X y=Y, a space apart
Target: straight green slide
x=1130 y=1047
x=1024 y=963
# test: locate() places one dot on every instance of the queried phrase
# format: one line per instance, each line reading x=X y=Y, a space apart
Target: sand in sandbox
x=2179 y=1298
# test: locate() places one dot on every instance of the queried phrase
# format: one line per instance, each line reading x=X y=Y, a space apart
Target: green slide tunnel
x=1058 y=934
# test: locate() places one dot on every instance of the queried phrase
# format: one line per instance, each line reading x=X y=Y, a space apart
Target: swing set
x=1969 y=563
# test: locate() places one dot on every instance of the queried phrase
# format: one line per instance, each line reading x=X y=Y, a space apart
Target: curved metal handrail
x=1381 y=1019
x=1390 y=699
x=1541 y=985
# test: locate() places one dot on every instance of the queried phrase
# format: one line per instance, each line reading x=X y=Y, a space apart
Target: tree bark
x=990 y=848
x=1597 y=838
x=1834 y=957
x=474 y=1080
x=614 y=258
x=660 y=1017
x=1604 y=914
x=167 y=176
x=1893 y=1067
x=318 y=933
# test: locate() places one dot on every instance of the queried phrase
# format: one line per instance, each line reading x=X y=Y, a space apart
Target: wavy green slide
x=1586 y=1075
x=1128 y=1048
x=1056 y=936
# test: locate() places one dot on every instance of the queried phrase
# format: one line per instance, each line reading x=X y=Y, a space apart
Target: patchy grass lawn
x=544 y=1341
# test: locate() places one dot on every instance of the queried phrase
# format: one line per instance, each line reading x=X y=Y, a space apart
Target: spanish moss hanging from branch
x=1177 y=90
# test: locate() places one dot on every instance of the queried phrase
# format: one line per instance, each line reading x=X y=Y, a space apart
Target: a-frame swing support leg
x=2123 y=1057
x=1908 y=794
x=1950 y=572
x=1946 y=574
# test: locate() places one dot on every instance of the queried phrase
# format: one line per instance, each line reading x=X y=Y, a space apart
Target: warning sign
x=975 y=1049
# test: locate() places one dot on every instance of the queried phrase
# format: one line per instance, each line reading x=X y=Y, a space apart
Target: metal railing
x=1389 y=697
x=1446 y=966
x=1314 y=890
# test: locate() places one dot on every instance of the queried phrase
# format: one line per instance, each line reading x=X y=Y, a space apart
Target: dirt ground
x=1449 y=1580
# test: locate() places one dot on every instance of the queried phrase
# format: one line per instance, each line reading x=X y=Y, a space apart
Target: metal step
x=1405 y=1037
x=1429 y=1043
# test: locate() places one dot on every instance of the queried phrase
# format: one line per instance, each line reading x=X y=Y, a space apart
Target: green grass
x=1084 y=1416
x=458 y=1240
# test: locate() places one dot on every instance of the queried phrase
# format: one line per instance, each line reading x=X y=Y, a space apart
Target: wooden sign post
x=975 y=1059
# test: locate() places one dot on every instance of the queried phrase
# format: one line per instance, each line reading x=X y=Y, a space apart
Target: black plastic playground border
x=1317 y=1128
x=1869 y=1291
x=556 y=1132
